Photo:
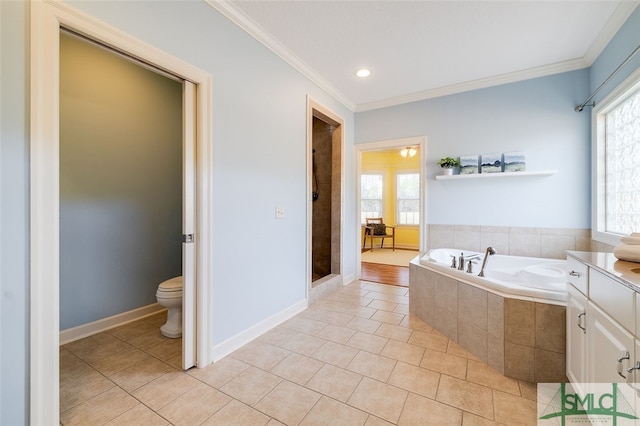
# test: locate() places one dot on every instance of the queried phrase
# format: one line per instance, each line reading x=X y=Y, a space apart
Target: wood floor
x=385 y=274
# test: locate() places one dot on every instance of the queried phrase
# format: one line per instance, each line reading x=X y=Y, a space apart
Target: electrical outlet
x=279 y=212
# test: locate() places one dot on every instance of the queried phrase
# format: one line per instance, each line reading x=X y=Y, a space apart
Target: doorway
x=390 y=185
x=325 y=189
x=121 y=174
x=47 y=20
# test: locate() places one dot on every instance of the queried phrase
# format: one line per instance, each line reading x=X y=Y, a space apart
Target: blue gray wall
x=120 y=183
x=534 y=116
x=620 y=47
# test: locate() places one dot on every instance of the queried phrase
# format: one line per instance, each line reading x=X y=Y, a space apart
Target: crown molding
x=235 y=15
x=482 y=83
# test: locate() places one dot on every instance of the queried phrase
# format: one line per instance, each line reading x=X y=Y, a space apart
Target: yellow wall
x=389 y=162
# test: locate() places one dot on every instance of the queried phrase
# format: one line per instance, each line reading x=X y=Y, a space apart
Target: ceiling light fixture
x=363 y=73
x=408 y=152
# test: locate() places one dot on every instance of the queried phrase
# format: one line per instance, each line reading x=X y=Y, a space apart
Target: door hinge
x=187 y=238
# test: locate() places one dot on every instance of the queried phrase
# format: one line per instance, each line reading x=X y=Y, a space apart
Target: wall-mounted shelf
x=498 y=175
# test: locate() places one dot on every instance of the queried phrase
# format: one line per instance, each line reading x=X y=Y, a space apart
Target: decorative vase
x=447 y=171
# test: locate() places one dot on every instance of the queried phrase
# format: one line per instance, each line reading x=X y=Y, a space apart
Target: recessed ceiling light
x=363 y=73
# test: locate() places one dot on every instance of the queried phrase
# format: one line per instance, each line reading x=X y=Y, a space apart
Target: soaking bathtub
x=514 y=276
x=513 y=318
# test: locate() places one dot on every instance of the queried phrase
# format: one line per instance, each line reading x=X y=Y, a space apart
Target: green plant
x=448 y=162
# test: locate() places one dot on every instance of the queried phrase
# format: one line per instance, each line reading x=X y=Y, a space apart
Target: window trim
x=598 y=159
x=397 y=199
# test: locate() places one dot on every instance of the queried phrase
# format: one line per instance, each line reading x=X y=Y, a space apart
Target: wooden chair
x=370 y=232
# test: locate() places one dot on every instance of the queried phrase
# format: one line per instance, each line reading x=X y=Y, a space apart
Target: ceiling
x=424 y=49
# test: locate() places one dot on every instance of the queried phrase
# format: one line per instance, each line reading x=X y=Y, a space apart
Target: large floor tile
x=420 y=410
x=251 y=385
x=288 y=403
x=467 y=396
x=194 y=406
x=335 y=382
x=415 y=379
x=380 y=399
x=329 y=412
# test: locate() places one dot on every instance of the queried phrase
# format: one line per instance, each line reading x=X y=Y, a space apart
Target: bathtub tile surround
x=551 y=243
x=354 y=357
x=521 y=339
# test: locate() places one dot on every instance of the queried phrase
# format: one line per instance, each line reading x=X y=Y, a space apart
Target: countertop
x=627 y=273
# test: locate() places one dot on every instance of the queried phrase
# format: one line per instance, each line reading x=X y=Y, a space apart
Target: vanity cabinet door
x=611 y=348
x=576 y=335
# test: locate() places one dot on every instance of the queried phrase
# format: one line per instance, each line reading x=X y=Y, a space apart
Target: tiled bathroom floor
x=354 y=358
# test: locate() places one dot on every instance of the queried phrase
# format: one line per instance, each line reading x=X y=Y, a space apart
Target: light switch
x=279 y=212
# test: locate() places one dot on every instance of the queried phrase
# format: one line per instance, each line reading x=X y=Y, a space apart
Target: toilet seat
x=171 y=288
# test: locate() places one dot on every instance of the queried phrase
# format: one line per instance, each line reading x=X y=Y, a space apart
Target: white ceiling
x=423 y=49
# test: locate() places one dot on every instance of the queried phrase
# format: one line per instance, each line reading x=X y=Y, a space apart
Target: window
x=370 y=196
x=408 y=198
x=617 y=171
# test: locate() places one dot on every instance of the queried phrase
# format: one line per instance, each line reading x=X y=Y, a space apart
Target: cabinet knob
x=574 y=274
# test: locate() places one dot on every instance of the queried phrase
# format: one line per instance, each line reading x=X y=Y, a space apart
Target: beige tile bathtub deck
x=355 y=357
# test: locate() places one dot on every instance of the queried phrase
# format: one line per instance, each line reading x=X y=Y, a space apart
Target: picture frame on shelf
x=491 y=163
x=514 y=162
x=469 y=164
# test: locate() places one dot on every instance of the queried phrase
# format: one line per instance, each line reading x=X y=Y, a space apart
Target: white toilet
x=169 y=295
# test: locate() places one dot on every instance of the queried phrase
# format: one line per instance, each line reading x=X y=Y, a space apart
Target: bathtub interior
x=540 y=273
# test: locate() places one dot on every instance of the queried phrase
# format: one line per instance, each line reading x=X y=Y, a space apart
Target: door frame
x=420 y=141
x=317 y=110
x=48 y=17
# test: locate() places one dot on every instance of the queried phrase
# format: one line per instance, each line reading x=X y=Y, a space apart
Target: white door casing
x=47 y=19
x=420 y=141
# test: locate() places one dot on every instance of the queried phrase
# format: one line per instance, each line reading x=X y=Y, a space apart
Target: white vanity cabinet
x=603 y=319
x=576 y=335
x=611 y=348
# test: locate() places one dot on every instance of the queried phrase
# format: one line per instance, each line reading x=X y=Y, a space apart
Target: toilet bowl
x=169 y=295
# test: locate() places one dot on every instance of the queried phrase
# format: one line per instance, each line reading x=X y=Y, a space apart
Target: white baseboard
x=95 y=327
x=346 y=279
x=225 y=348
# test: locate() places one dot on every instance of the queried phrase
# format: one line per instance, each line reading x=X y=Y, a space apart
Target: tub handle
x=580 y=326
x=575 y=274
x=624 y=356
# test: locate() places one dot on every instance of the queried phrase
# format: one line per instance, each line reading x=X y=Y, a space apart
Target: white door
x=188 y=225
